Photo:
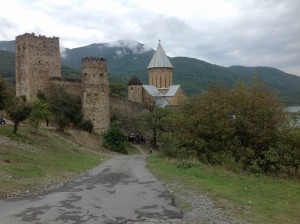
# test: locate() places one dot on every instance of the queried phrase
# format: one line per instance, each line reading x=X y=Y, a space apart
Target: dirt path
x=121 y=190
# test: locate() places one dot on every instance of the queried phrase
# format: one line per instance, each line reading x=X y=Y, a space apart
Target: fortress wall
x=126 y=107
x=72 y=86
x=37 y=59
x=95 y=93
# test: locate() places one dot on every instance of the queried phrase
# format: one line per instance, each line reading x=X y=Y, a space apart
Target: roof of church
x=161 y=101
x=172 y=90
x=134 y=81
x=153 y=91
x=160 y=59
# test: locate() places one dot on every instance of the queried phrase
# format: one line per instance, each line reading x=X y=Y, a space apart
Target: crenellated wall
x=38 y=67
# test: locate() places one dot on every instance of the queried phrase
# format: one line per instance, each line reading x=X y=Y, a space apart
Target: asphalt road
x=121 y=190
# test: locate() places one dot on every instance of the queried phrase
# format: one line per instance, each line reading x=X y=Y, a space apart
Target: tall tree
x=18 y=110
x=5 y=93
x=65 y=107
x=157 y=120
x=224 y=124
x=40 y=112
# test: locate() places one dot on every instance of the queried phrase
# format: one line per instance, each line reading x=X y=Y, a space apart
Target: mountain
x=8 y=45
x=126 y=58
x=7 y=65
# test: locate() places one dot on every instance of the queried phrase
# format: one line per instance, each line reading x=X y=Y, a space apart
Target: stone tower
x=37 y=59
x=135 y=90
x=160 y=69
x=95 y=93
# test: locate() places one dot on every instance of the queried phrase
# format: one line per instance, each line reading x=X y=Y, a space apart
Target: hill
x=7 y=65
x=31 y=163
x=127 y=58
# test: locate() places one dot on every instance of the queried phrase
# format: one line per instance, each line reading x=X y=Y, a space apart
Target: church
x=160 y=88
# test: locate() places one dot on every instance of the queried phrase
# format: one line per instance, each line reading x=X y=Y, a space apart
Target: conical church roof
x=134 y=81
x=160 y=59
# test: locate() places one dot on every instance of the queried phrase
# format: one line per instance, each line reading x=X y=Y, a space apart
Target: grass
x=30 y=161
x=266 y=199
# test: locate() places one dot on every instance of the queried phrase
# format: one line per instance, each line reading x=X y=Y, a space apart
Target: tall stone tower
x=95 y=93
x=135 y=90
x=37 y=59
x=160 y=69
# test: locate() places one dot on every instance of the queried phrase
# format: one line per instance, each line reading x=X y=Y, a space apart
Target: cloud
x=132 y=45
x=223 y=32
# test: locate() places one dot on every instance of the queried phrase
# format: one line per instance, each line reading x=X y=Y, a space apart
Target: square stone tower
x=95 y=93
x=37 y=59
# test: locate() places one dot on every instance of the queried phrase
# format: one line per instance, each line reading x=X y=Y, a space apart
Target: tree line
x=244 y=128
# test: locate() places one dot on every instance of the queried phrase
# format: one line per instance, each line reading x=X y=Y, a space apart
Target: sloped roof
x=134 y=81
x=172 y=90
x=152 y=90
x=160 y=59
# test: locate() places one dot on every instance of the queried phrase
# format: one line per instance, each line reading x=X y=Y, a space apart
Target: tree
x=114 y=139
x=5 y=93
x=226 y=125
x=65 y=107
x=157 y=120
x=18 y=110
x=39 y=113
x=117 y=89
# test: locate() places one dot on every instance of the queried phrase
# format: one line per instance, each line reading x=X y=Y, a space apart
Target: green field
x=38 y=161
x=255 y=199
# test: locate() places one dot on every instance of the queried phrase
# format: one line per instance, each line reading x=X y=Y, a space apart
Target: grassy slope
x=45 y=159
x=256 y=199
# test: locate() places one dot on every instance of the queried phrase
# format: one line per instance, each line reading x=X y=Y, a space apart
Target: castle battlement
x=38 y=67
x=92 y=59
x=32 y=36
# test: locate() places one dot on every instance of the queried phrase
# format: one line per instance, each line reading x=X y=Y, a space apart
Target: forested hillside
x=127 y=58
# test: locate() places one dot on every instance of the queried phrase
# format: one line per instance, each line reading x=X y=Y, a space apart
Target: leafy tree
x=228 y=126
x=18 y=110
x=65 y=107
x=117 y=89
x=114 y=139
x=158 y=120
x=5 y=93
x=39 y=113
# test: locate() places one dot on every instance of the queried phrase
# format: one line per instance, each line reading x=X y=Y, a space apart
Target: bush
x=114 y=139
x=86 y=125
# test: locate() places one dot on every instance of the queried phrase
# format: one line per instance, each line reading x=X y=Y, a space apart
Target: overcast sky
x=222 y=32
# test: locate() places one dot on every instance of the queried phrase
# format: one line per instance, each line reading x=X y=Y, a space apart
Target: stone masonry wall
x=70 y=86
x=95 y=93
x=37 y=59
x=160 y=77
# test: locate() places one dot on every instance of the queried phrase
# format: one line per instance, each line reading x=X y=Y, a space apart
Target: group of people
x=137 y=139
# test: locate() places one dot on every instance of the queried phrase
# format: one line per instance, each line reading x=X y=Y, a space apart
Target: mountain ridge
x=128 y=57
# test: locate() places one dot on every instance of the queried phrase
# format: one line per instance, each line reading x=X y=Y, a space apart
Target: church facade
x=160 y=88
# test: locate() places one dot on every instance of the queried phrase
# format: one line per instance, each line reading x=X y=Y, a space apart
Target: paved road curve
x=121 y=190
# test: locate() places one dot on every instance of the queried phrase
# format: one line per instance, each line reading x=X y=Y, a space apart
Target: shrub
x=86 y=125
x=114 y=139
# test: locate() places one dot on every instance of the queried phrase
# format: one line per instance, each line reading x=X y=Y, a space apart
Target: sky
x=222 y=32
